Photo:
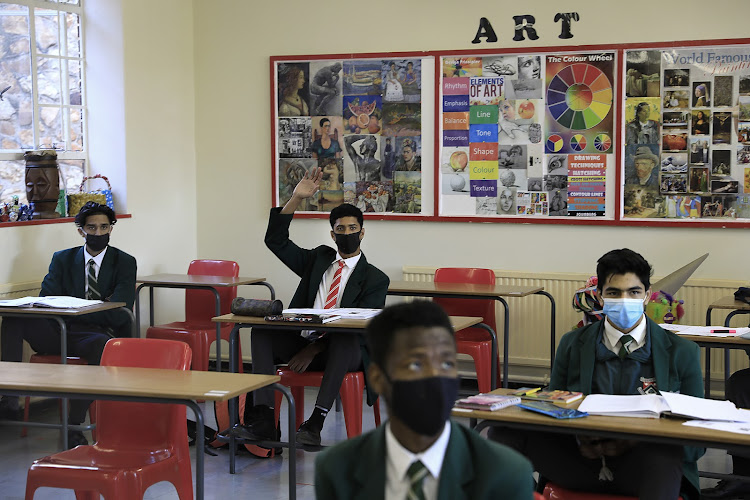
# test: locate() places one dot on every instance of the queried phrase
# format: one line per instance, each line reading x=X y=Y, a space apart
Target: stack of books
x=487 y=402
x=557 y=397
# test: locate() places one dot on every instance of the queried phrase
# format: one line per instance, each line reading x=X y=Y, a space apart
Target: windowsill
x=60 y=220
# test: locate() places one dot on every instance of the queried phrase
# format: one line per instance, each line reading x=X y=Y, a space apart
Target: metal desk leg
x=506 y=337
x=150 y=305
x=553 y=340
x=292 y=429
x=199 y=454
x=138 y=308
x=707 y=378
x=493 y=366
x=270 y=288
x=218 y=329
x=134 y=330
x=64 y=361
x=234 y=403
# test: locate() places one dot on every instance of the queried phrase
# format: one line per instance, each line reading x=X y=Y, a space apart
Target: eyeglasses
x=91 y=228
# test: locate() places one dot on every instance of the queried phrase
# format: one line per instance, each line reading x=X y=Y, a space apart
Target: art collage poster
x=526 y=135
x=687 y=133
x=360 y=121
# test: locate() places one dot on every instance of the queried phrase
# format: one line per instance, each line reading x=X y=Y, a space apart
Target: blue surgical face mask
x=623 y=313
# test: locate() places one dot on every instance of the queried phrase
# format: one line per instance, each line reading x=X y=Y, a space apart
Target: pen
x=723 y=331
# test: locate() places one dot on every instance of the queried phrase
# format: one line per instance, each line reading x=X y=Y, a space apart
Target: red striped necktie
x=333 y=291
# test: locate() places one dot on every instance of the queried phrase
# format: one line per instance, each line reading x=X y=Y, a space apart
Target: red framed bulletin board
x=637 y=134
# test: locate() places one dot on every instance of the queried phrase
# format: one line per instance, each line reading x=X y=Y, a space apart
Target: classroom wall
x=234 y=40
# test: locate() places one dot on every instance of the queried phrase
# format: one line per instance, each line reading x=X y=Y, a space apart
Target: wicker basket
x=76 y=201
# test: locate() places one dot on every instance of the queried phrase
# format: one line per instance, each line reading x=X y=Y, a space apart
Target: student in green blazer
x=418 y=452
x=625 y=353
x=357 y=284
x=69 y=274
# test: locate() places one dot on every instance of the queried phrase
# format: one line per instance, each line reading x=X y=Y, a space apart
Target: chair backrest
x=200 y=305
x=128 y=426
x=467 y=307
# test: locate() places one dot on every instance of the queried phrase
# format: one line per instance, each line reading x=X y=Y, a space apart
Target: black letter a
x=485 y=30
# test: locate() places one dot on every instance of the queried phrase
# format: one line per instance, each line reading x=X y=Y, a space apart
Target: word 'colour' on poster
x=526 y=134
x=360 y=121
x=687 y=133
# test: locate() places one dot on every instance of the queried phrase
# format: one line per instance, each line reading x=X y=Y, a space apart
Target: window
x=43 y=104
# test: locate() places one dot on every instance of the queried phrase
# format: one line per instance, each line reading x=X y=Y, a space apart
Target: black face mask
x=424 y=404
x=97 y=243
x=347 y=243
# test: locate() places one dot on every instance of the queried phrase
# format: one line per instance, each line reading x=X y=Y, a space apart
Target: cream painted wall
x=234 y=40
x=154 y=137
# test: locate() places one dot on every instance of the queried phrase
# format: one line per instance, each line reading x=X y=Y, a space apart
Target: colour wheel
x=579 y=96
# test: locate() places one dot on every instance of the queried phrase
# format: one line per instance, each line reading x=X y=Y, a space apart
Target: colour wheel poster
x=579 y=103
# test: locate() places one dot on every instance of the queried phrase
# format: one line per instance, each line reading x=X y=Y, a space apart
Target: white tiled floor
x=256 y=478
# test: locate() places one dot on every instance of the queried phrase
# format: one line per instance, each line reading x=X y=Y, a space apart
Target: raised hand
x=309 y=184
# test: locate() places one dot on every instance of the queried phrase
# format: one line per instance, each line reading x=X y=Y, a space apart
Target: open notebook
x=52 y=301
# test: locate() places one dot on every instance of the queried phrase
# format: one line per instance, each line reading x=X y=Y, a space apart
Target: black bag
x=742 y=294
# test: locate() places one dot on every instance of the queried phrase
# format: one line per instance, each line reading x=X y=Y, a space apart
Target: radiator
x=529 y=318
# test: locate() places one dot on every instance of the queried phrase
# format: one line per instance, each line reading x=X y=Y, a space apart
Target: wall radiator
x=529 y=318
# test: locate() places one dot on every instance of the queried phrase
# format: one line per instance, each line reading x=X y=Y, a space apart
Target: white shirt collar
x=97 y=260
x=351 y=262
x=612 y=335
x=399 y=458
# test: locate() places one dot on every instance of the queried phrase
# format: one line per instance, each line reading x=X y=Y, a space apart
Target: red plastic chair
x=555 y=492
x=351 y=397
x=54 y=359
x=474 y=342
x=139 y=444
x=200 y=306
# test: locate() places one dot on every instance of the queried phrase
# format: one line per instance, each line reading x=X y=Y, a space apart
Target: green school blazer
x=676 y=367
x=473 y=469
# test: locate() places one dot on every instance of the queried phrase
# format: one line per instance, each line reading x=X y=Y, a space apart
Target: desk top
x=625 y=427
x=58 y=311
x=123 y=381
x=430 y=289
x=730 y=342
x=196 y=280
x=729 y=302
x=458 y=322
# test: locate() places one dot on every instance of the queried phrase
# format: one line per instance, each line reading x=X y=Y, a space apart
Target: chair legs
x=351 y=398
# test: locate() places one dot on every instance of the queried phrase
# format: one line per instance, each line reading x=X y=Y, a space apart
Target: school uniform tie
x=333 y=291
x=93 y=287
x=417 y=473
x=625 y=344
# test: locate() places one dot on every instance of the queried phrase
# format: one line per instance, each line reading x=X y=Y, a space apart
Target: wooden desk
x=480 y=292
x=132 y=384
x=60 y=315
x=193 y=282
x=736 y=307
x=345 y=325
x=660 y=430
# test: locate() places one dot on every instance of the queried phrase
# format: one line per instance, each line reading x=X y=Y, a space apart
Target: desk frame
x=732 y=313
x=144 y=282
x=59 y=316
x=506 y=323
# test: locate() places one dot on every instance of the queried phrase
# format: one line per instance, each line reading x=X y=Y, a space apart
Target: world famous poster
x=495 y=120
x=360 y=122
x=687 y=118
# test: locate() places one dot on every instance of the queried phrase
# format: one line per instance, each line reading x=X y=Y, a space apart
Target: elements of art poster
x=360 y=121
x=505 y=136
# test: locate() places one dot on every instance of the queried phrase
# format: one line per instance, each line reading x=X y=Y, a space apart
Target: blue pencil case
x=551 y=410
